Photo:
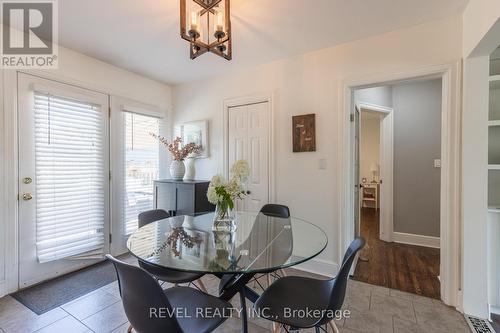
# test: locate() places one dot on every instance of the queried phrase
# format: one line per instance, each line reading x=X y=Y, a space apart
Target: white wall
x=481 y=36
x=312 y=83
x=474 y=185
x=380 y=96
x=76 y=69
x=479 y=17
x=369 y=144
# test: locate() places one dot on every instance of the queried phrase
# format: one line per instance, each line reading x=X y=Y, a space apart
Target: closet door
x=249 y=139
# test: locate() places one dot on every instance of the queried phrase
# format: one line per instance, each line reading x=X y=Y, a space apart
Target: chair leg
x=282 y=272
x=334 y=326
x=202 y=286
x=244 y=318
x=317 y=329
x=130 y=328
x=276 y=328
x=268 y=280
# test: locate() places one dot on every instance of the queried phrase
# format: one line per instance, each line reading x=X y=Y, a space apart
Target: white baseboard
x=412 y=239
x=319 y=266
x=494 y=309
x=3 y=288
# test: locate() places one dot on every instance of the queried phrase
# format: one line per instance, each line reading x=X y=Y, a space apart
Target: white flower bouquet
x=224 y=193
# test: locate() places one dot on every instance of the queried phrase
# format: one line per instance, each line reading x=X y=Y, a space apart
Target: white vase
x=177 y=170
x=190 y=169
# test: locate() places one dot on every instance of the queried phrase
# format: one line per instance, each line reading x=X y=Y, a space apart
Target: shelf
x=494 y=167
x=495 y=210
x=492 y=123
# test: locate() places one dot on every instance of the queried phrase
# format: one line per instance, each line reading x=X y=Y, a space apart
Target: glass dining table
x=260 y=244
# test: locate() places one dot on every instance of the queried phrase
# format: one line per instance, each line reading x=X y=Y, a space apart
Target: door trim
x=450 y=253
x=386 y=166
x=10 y=176
x=248 y=100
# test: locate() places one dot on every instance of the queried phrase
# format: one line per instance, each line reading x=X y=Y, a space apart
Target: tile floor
x=373 y=309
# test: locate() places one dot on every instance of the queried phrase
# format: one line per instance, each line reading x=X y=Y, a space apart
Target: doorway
x=374 y=170
x=399 y=196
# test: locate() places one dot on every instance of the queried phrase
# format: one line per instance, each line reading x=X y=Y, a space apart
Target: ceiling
x=143 y=35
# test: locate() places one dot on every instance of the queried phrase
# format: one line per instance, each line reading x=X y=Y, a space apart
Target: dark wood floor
x=496 y=322
x=409 y=268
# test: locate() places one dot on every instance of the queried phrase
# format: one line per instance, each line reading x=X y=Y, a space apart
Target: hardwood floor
x=495 y=322
x=409 y=268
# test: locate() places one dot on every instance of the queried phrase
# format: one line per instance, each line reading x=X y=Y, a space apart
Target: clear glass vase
x=224 y=218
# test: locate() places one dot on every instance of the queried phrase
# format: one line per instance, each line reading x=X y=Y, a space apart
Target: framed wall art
x=304 y=133
x=196 y=132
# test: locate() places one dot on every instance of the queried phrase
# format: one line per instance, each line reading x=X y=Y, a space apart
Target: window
x=70 y=177
x=141 y=165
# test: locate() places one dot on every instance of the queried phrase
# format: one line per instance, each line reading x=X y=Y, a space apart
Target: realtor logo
x=29 y=34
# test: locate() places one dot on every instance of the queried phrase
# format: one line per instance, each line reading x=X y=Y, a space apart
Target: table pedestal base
x=230 y=285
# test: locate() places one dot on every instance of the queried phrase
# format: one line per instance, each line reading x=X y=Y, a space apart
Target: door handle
x=27 y=196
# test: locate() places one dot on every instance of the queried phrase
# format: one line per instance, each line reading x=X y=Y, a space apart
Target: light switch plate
x=322 y=164
x=437 y=163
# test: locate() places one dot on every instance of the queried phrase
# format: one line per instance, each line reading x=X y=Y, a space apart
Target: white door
x=357 y=182
x=63 y=178
x=386 y=176
x=248 y=136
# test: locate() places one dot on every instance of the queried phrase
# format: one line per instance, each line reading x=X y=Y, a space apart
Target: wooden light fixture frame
x=198 y=47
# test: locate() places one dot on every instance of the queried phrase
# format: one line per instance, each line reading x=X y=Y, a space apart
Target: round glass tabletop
x=259 y=244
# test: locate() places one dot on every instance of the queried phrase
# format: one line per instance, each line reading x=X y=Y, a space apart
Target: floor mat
x=51 y=294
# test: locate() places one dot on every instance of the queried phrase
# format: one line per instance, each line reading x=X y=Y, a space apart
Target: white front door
x=63 y=178
x=248 y=136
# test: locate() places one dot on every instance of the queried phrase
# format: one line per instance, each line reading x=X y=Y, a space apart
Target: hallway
x=409 y=268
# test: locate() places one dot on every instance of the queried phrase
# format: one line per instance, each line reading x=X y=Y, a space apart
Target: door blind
x=141 y=166
x=70 y=177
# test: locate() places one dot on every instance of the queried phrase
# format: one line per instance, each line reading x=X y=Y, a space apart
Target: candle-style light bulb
x=194 y=20
x=219 y=25
x=220 y=22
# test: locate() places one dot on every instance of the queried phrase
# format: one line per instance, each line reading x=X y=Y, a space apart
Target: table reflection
x=260 y=243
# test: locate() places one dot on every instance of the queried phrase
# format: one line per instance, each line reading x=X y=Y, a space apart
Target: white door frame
x=386 y=166
x=450 y=168
x=247 y=100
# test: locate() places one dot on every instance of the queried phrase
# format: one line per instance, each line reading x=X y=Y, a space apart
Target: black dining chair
x=276 y=210
x=273 y=210
x=150 y=309
x=165 y=274
x=292 y=294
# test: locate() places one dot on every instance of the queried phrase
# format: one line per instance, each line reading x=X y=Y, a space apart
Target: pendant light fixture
x=206 y=25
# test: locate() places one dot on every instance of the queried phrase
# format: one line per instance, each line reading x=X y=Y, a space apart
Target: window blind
x=141 y=166
x=70 y=177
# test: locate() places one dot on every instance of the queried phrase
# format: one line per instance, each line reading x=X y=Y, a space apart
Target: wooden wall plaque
x=304 y=133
